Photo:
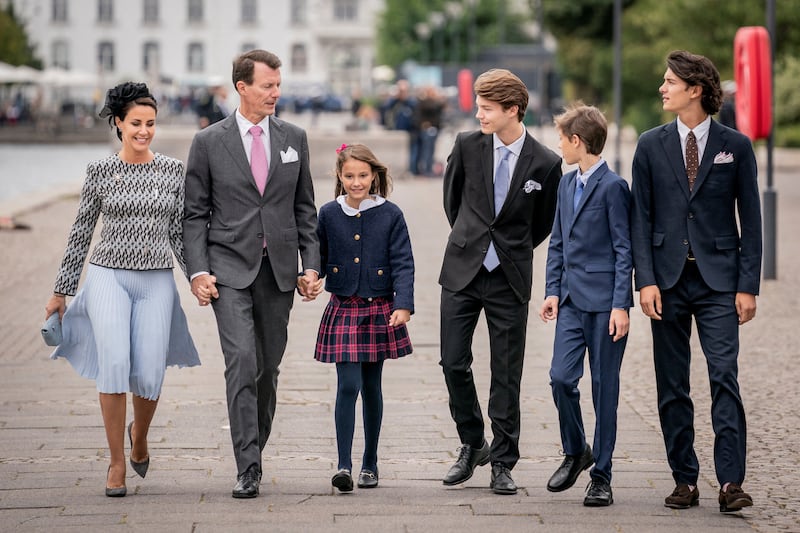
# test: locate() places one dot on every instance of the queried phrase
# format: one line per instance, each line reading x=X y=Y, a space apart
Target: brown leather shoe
x=733 y=499
x=682 y=497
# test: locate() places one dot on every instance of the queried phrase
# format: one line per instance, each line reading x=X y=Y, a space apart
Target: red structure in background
x=752 y=63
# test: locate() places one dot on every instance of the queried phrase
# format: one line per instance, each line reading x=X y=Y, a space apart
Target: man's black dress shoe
x=468 y=459
x=247 y=484
x=501 y=480
x=567 y=474
x=599 y=494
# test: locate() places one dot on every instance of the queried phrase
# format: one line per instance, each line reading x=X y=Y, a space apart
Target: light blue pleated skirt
x=123 y=328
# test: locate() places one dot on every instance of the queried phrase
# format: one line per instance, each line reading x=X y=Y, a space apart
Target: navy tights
x=355 y=378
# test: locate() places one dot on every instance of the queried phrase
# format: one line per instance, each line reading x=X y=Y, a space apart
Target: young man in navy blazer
x=499 y=197
x=692 y=179
x=589 y=267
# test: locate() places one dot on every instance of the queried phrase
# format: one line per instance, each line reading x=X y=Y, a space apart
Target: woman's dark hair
x=120 y=99
x=697 y=70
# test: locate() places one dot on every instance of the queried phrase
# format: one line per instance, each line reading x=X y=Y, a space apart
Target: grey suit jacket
x=226 y=220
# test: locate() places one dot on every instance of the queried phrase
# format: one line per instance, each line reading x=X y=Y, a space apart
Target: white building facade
x=190 y=42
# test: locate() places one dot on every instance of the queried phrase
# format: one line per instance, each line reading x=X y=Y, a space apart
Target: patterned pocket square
x=289 y=156
x=531 y=186
x=722 y=158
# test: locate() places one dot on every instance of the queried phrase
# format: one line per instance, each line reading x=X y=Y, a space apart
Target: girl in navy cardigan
x=369 y=270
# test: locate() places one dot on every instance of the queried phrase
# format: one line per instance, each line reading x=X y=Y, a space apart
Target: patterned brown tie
x=692 y=159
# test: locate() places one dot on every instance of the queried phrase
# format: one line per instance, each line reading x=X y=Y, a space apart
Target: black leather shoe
x=247 y=484
x=567 y=474
x=342 y=480
x=468 y=459
x=501 y=480
x=599 y=494
x=116 y=492
x=367 y=479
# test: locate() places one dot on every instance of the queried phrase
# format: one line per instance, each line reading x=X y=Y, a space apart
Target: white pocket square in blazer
x=531 y=186
x=722 y=158
x=289 y=156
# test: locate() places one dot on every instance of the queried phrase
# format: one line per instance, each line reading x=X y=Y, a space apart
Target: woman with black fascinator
x=125 y=324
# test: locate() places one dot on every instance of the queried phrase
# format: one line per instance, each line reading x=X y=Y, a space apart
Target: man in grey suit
x=249 y=211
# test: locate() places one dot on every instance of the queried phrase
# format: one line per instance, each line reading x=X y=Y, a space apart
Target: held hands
x=549 y=310
x=309 y=285
x=650 y=300
x=204 y=287
x=399 y=317
x=619 y=324
x=56 y=303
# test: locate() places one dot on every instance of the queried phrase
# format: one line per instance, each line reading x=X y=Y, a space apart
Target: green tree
x=398 y=38
x=14 y=46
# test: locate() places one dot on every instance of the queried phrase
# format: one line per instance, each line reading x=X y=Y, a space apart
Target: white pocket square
x=531 y=186
x=722 y=158
x=289 y=156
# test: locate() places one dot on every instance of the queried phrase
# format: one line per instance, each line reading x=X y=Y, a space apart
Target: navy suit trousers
x=718 y=329
x=576 y=332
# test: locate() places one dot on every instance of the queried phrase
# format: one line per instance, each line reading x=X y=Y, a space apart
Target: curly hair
x=698 y=71
x=382 y=184
x=120 y=99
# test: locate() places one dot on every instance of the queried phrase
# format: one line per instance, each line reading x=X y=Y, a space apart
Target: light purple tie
x=258 y=159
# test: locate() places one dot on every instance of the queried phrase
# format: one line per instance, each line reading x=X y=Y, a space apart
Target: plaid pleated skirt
x=357 y=330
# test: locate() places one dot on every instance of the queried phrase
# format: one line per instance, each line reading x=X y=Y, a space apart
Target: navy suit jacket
x=522 y=224
x=589 y=259
x=667 y=219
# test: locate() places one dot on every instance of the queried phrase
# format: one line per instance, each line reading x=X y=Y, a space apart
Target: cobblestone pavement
x=52 y=445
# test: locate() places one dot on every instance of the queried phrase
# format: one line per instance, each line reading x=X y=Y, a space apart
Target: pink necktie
x=258 y=159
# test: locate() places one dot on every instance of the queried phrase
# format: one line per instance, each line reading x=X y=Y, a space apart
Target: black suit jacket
x=667 y=219
x=524 y=221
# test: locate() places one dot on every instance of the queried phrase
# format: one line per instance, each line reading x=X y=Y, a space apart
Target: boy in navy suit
x=588 y=290
x=696 y=237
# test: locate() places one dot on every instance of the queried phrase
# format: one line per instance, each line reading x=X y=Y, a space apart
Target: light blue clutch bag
x=51 y=330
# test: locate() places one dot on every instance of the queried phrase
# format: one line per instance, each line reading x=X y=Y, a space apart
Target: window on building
x=299 y=58
x=246 y=47
x=150 y=11
x=59 y=10
x=195 y=10
x=105 y=11
x=194 y=58
x=299 y=12
x=151 y=58
x=249 y=11
x=60 y=54
x=105 y=56
x=345 y=9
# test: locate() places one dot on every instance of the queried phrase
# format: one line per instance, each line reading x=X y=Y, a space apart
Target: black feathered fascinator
x=118 y=98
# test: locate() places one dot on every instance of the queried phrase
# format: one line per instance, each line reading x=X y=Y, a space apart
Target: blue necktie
x=578 y=194
x=501 y=179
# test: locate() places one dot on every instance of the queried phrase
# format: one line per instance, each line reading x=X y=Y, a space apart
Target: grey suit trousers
x=252 y=325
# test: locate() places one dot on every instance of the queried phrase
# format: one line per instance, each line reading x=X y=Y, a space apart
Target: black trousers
x=507 y=319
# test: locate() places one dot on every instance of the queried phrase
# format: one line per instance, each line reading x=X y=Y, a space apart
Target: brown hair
x=697 y=70
x=244 y=64
x=504 y=87
x=585 y=121
x=382 y=184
